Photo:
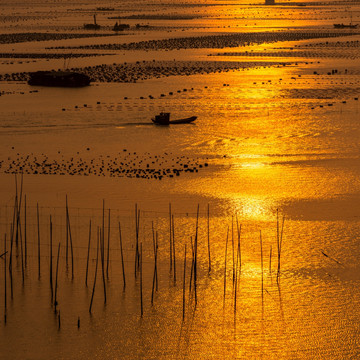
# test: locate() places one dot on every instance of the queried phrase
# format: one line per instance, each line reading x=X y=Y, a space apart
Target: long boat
x=59 y=78
x=164 y=119
x=345 y=26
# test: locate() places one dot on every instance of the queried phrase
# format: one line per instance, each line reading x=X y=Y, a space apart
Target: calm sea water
x=279 y=142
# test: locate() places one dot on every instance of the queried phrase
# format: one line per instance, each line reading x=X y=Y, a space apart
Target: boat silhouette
x=59 y=78
x=164 y=119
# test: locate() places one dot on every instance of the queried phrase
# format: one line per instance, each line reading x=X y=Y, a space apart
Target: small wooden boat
x=164 y=119
x=93 y=26
x=59 y=78
x=345 y=26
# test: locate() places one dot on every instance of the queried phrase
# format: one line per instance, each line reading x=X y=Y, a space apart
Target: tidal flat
x=234 y=237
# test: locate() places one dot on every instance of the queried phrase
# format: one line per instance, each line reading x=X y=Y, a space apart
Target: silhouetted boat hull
x=59 y=78
x=164 y=119
x=93 y=26
x=345 y=26
x=121 y=27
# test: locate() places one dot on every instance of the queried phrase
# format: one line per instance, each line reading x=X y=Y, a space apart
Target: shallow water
x=269 y=139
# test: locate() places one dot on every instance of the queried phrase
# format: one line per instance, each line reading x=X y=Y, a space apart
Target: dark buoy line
x=125 y=164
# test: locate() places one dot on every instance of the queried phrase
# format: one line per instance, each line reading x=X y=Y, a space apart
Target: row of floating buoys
x=133 y=72
x=334 y=103
x=13 y=38
x=213 y=41
x=125 y=164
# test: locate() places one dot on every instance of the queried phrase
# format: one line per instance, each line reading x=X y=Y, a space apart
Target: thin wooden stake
x=137 y=224
x=5 y=287
x=88 y=255
x=233 y=247
x=155 y=270
x=226 y=246
x=279 y=241
x=25 y=232
x=239 y=240
x=173 y=247
x=170 y=238
x=184 y=280
x=51 y=265
x=96 y=266
x=141 y=281
x=208 y=233
x=156 y=253
x=56 y=276
x=70 y=240
x=262 y=269
x=67 y=231
x=12 y=234
x=195 y=254
x=38 y=232
x=22 y=253
x=122 y=257
x=108 y=250
x=102 y=253
x=192 y=264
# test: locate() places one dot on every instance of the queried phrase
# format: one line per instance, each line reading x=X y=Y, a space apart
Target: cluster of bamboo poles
x=18 y=238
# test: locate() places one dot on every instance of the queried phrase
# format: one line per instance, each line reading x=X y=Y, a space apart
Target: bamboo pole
x=12 y=232
x=17 y=201
x=5 y=285
x=170 y=238
x=25 y=231
x=103 y=229
x=173 y=248
x=239 y=240
x=184 y=284
x=51 y=265
x=38 y=232
x=141 y=281
x=154 y=275
x=122 y=257
x=69 y=237
x=208 y=233
x=237 y=267
x=279 y=241
x=15 y=213
x=108 y=249
x=156 y=252
x=102 y=253
x=67 y=231
x=56 y=277
x=96 y=267
x=192 y=265
x=262 y=269
x=137 y=224
x=226 y=246
x=195 y=254
x=233 y=247
x=88 y=254
x=21 y=253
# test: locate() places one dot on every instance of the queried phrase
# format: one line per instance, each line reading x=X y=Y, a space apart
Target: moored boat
x=120 y=27
x=59 y=78
x=345 y=26
x=164 y=119
x=93 y=26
